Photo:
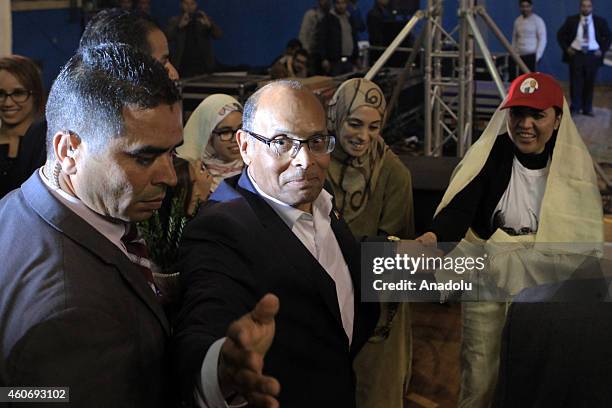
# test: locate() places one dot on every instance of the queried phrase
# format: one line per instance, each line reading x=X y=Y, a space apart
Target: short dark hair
x=28 y=74
x=294 y=43
x=525 y=1
x=119 y=26
x=302 y=52
x=95 y=85
x=250 y=107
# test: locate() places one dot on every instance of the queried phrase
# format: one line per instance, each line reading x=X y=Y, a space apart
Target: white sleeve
x=207 y=393
x=514 y=35
x=541 y=34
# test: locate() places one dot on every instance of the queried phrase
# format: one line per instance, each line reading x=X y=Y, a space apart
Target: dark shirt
x=194 y=61
x=192 y=48
x=31 y=155
x=329 y=39
x=377 y=16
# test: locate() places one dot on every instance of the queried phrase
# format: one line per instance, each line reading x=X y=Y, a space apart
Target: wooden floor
x=436 y=331
x=437 y=328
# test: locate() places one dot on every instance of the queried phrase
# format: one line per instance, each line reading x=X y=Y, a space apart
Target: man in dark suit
x=336 y=40
x=273 y=229
x=191 y=35
x=584 y=39
x=377 y=17
x=78 y=307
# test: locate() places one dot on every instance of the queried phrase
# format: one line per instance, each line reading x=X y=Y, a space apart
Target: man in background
x=528 y=38
x=584 y=39
x=337 y=41
x=191 y=35
x=310 y=22
x=377 y=16
x=308 y=33
x=81 y=308
x=294 y=65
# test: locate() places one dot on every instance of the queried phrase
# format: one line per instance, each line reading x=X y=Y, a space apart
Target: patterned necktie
x=137 y=248
x=585 y=35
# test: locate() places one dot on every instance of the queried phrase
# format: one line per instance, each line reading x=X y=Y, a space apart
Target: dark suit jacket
x=236 y=250
x=567 y=34
x=202 y=40
x=376 y=22
x=328 y=39
x=558 y=354
x=74 y=311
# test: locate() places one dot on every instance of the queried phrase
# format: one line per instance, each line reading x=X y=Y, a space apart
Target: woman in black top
x=533 y=185
x=533 y=120
x=21 y=102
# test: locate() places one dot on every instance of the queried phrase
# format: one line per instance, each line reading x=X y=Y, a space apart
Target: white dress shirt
x=529 y=35
x=315 y=232
x=579 y=41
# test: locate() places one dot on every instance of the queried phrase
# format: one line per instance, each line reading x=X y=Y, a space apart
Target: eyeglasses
x=18 y=95
x=283 y=145
x=226 y=134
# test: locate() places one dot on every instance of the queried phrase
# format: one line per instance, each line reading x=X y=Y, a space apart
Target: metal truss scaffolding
x=448 y=118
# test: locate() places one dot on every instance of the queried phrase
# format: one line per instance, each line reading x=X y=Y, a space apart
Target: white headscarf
x=197 y=133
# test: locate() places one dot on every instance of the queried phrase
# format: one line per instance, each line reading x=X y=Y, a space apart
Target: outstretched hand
x=242 y=355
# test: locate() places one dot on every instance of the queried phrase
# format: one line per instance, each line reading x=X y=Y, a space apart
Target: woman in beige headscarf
x=373 y=192
x=526 y=195
x=210 y=137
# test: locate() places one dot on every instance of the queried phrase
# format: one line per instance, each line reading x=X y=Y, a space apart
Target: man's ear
x=65 y=145
x=558 y=121
x=242 y=138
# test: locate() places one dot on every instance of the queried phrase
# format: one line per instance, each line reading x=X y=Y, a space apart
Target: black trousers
x=514 y=70
x=583 y=71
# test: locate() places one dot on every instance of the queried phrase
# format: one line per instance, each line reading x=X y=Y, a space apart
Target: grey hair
x=250 y=107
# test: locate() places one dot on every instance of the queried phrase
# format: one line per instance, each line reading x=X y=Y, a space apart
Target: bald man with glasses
x=273 y=229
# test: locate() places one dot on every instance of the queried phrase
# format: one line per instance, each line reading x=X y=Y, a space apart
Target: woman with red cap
x=528 y=180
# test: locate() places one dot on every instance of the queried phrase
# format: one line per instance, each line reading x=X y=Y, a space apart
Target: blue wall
x=256 y=31
x=50 y=37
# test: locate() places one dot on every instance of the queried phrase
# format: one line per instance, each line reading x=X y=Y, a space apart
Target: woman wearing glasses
x=21 y=102
x=210 y=136
x=373 y=192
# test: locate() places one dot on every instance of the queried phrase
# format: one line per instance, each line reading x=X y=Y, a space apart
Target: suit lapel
x=67 y=222
x=295 y=253
x=366 y=313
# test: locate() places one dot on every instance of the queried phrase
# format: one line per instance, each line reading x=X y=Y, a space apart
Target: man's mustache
x=298 y=175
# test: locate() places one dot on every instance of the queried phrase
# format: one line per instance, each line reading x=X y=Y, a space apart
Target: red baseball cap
x=534 y=90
